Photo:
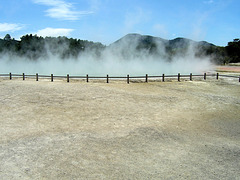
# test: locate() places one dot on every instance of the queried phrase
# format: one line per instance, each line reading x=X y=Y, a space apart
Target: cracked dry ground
x=155 y=130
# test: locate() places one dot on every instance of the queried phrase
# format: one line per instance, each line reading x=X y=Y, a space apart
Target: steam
x=114 y=60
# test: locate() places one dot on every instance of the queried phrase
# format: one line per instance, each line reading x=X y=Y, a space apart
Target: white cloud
x=54 y=32
x=62 y=10
x=6 y=27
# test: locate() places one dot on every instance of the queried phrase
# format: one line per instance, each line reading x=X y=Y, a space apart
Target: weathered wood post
x=163 y=78
x=23 y=76
x=190 y=76
x=68 y=78
x=217 y=76
x=179 y=76
x=87 y=77
x=10 y=76
x=36 y=76
x=107 y=79
x=51 y=77
x=146 y=80
x=205 y=76
x=128 y=78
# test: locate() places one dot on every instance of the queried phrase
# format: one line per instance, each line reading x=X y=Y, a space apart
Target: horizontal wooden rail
x=154 y=76
x=44 y=76
x=77 y=77
x=17 y=75
x=30 y=75
x=117 y=77
x=197 y=75
x=4 y=75
x=60 y=76
x=222 y=75
x=137 y=77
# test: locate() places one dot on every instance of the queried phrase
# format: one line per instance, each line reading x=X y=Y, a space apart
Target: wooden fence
x=107 y=77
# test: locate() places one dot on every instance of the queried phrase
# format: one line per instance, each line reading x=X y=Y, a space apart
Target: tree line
x=34 y=47
x=233 y=50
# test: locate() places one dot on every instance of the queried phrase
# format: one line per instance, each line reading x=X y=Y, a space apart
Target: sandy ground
x=95 y=130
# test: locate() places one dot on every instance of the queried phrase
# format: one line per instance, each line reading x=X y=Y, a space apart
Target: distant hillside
x=134 y=44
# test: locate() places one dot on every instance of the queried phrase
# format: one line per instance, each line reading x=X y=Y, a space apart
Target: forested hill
x=131 y=45
x=169 y=49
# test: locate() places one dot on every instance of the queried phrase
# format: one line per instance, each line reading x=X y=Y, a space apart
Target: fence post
x=107 y=79
x=163 y=78
x=51 y=77
x=146 y=78
x=190 y=76
x=10 y=76
x=67 y=77
x=128 y=78
x=217 y=76
x=205 y=76
x=23 y=75
x=179 y=76
x=36 y=76
x=87 y=77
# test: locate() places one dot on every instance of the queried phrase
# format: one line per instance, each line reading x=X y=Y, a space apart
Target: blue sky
x=105 y=21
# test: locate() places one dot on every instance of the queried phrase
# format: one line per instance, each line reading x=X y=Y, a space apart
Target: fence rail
x=128 y=77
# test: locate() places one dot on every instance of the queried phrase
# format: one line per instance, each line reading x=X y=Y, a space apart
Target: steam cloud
x=112 y=61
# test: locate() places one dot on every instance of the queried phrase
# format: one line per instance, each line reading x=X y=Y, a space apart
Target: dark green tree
x=7 y=37
x=233 y=51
